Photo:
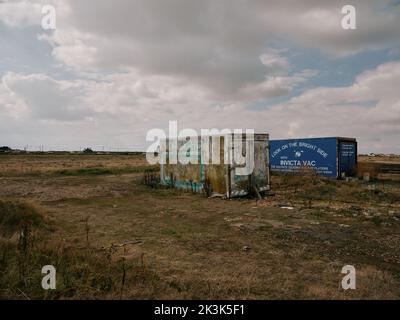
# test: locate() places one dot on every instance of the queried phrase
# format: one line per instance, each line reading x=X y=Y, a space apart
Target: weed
x=151 y=179
x=377 y=220
x=15 y=216
x=87 y=229
x=104 y=171
x=207 y=188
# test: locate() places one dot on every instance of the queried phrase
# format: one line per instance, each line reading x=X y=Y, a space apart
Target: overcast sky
x=114 y=69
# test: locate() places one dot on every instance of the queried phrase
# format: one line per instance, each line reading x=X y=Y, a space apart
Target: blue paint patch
x=329 y=157
x=292 y=155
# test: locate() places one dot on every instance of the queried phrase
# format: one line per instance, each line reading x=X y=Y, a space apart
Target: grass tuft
x=14 y=215
x=104 y=171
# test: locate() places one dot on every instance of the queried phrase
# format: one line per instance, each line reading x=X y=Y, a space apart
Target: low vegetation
x=82 y=272
x=5 y=149
x=105 y=171
x=15 y=216
x=113 y=233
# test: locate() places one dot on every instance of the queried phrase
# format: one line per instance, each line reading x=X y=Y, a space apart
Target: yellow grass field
x=112 y=237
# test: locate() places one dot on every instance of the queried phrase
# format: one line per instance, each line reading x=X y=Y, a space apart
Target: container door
x=347 y=157
x=256 y=153
x=239 y=183
x=260 y=176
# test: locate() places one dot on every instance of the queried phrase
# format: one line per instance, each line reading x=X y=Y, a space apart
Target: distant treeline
x=5 y=149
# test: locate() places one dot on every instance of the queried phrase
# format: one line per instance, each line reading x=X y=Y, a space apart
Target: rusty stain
x=221 y=176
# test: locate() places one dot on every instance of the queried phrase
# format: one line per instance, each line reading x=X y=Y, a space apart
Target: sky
x=113 y=70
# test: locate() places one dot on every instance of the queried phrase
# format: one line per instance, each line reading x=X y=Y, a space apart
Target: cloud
x=369 y=109
x=150 y=33
x=120 y=108
x=219 y=45
x=275 y=86
x=275 y=63
x=135 y=64
x=20 y=12
x=46 y=98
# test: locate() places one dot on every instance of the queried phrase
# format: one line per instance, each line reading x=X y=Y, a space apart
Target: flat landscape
x=111 y=236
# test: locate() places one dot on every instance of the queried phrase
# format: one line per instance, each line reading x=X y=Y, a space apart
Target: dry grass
x=86 y=272
x=113 y=237
x=46 y=163
x=15 y=215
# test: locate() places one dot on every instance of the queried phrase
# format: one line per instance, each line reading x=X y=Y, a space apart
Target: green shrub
x=14 y=215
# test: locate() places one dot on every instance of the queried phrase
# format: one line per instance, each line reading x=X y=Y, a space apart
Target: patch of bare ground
x=125 y=240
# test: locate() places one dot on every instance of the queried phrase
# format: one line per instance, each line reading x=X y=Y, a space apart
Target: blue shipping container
x=330 y=157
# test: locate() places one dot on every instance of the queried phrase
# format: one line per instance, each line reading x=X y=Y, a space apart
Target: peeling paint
x=221 y=177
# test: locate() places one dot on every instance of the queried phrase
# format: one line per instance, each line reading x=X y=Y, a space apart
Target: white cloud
x=219 y=45
x=45 y=98
x=20 y=12
x=138 y=64
x=121 y=108
x=275 y=86
x=369 y=110
x=216 y=44
x=275 y=63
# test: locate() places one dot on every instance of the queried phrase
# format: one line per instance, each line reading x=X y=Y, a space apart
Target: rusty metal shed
x=221 y=179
